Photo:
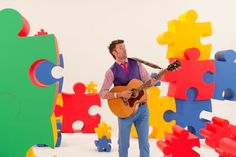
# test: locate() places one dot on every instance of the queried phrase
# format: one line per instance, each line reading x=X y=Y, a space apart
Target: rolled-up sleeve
x=107 y=83
x=145 y=76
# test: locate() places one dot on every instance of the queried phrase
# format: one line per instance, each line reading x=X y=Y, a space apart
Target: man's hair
x=113 y=44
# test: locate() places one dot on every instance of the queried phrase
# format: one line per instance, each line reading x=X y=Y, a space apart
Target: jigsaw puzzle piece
x=41 y=32
x=103 y=144
x=227 y=145
x=188 y=113
x=184 y=78
x=25 y=29
x=59 y=134
x=103 y=129
x=225 y=76
x=30 y=153
x=179 y=144
x=215 y=131
x=76 y=108
x=185 y=33
x=157 y=107
x=43 y=73
x=92 y=88
x=32 y=122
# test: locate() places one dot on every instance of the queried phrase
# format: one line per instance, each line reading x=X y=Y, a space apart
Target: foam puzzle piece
x=227 y=145
x=225 y=75
x=184 y=78
x=30 y=153
x=103 y=144
x=92 y=88
x=59 y=139
x=157 y=107
x=43 y=73
x=26 y=107
x=185 y=33
x=76 y=108
x=25 y=28
x=103 y=129
x=215 y=131
x=41 y=32
x=188 y=113
x=43 y=70
x=179 y=144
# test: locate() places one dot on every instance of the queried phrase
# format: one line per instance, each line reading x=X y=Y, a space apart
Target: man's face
x=120 y=51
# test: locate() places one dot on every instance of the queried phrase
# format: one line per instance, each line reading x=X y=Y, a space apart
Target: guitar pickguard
x=133 y=100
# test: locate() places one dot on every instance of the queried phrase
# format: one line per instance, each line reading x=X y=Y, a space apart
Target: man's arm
x=145 y=76
x=107 y=83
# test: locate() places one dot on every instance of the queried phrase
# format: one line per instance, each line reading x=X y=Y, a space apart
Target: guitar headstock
x=174 y=65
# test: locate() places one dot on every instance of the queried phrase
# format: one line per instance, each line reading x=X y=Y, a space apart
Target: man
x=121 y=72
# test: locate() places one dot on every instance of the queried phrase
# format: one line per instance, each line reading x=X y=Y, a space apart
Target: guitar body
x=125 y=108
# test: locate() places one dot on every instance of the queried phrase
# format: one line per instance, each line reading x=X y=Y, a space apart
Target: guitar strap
x=147 y=63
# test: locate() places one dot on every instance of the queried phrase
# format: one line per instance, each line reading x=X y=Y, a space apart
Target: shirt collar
x=126 y=61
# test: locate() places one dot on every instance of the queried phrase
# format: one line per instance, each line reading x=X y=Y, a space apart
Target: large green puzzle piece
x=25 y=108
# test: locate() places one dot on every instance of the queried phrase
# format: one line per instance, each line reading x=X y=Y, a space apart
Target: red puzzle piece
x=189 y=75
x=76 y=108
x=227 y=145
x=216 y=131
x=179 y=144
x=41 y=32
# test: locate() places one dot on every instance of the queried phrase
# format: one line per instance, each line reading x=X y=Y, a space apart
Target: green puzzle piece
x=25 y=108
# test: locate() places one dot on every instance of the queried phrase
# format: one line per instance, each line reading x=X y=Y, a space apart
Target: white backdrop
x=85 y=28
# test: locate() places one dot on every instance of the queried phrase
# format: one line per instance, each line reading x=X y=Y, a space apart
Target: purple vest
x=121 y=78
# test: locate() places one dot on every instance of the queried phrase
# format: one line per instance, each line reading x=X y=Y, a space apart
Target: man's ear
x=114 y=52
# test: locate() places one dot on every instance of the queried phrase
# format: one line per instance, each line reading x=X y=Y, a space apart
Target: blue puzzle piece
x=103 y=144
x=59 y=138
x=59 y=125
x=41 y=145
x=225 y=76
x=43 y=73
x=188 y=113
x=59 y=135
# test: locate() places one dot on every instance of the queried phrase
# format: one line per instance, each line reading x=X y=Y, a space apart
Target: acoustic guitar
x=123 y=108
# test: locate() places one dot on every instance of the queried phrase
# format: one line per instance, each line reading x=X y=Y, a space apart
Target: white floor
x=82 y=145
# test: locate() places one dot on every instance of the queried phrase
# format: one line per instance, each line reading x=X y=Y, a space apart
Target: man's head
x=117 y=49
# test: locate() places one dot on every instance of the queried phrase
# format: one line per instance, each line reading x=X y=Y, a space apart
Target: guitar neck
x=160 y=74
x=145 y=85
x=149 y=82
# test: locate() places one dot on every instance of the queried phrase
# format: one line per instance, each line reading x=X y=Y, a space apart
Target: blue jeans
x=141 y=123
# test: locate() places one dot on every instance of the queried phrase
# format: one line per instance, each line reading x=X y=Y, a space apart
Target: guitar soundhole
x=136 y=97
x=134 y=93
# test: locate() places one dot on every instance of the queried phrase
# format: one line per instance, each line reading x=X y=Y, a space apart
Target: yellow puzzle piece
x=30 y=153
x=59 y=102
x=103 y=129
x=92 y=88
x=157 y=107
x=54 y=128
x=185 y=33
